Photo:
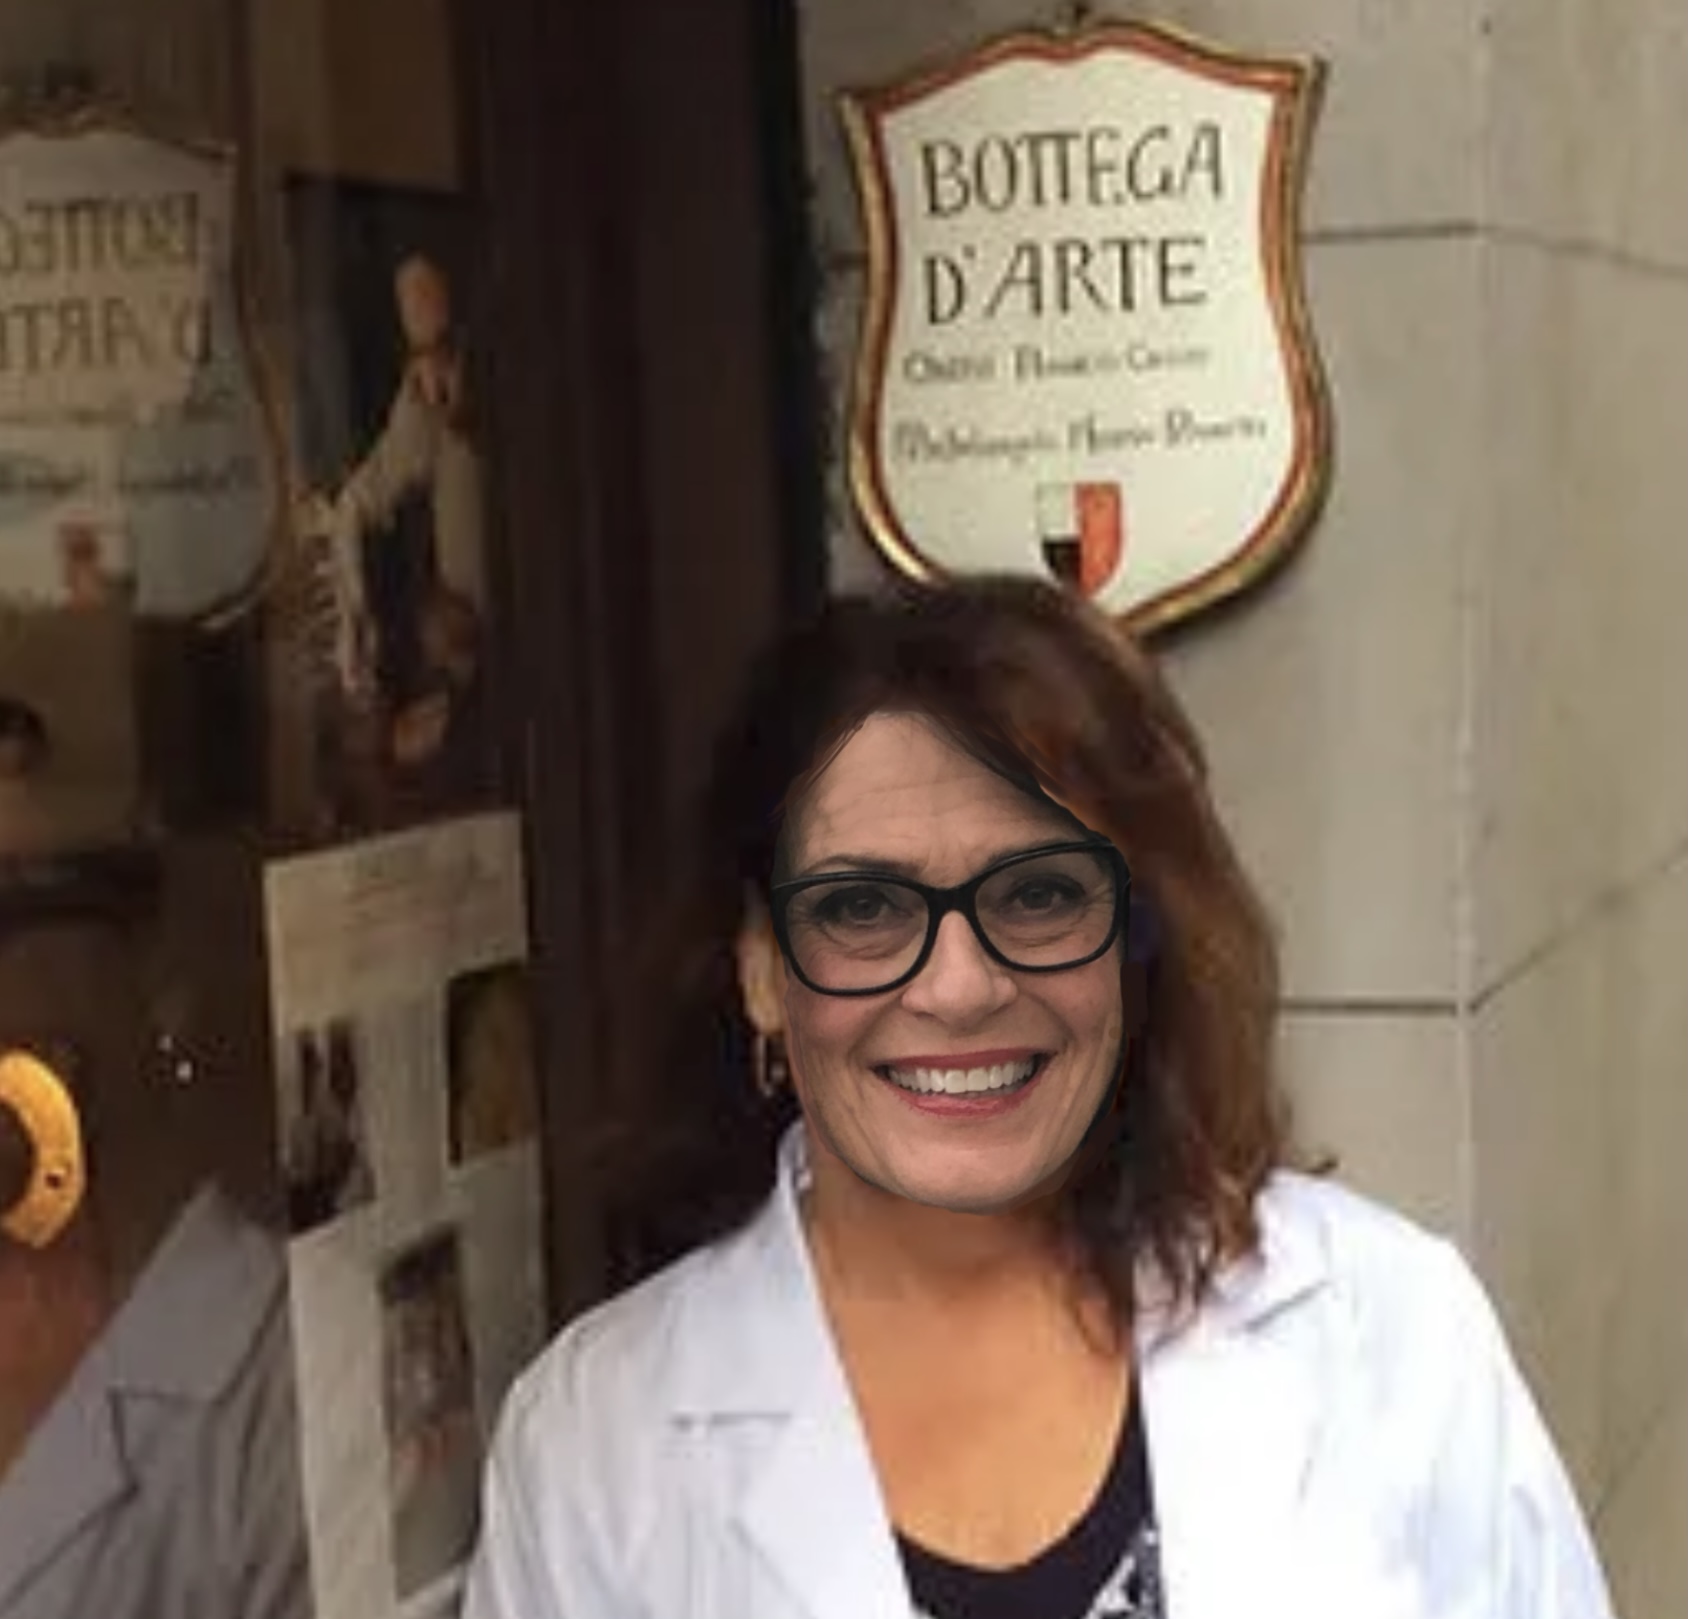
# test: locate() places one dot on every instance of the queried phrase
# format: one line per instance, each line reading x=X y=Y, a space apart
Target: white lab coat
x=163 y=1482
x=1339 y=1434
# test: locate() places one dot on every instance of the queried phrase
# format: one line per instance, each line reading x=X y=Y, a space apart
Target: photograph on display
x=491 y=1079
x=389 y=454
x=429 y=1401
x=324 y=1135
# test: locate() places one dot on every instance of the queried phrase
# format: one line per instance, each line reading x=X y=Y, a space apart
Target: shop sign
x=137 y=456
x=1085 y=350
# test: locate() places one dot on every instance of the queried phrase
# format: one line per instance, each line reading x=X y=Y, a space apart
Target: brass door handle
x=41 y=1184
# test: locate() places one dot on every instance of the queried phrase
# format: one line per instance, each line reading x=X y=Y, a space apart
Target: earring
x=42 y=1105
x=769 y=1063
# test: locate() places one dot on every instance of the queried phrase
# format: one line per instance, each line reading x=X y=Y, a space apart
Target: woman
x=1037 y=1318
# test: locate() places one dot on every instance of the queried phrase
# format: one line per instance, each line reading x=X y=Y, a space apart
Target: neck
x=874 y=1247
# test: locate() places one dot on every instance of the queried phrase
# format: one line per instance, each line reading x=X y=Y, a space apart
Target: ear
x=761 y=969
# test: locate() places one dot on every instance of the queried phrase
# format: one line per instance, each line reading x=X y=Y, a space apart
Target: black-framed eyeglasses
x=1043 y=910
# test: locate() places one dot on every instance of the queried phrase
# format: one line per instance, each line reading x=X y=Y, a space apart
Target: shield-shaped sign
x=138 y=453
x=1085 y=351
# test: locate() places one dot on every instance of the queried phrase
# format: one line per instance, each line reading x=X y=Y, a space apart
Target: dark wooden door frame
x=652 y=427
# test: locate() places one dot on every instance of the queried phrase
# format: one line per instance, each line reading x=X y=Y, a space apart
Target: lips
x=977 y=1104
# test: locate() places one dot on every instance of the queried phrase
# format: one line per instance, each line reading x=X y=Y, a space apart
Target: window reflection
x=148 y=1431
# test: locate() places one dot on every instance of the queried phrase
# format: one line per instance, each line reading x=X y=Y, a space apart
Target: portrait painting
x=390 y=514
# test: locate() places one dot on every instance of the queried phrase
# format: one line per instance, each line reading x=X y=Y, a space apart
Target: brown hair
x=1046 y=691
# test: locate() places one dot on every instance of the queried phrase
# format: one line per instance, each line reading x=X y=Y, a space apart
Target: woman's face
x=900 y=795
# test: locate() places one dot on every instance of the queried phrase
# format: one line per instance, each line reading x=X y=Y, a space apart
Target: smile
x=997 y=1079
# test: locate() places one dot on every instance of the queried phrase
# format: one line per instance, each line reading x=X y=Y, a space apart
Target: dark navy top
x=1106 y=1566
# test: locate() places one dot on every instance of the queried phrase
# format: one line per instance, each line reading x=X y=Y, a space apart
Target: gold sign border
x=1296 y=85
x=101 y=116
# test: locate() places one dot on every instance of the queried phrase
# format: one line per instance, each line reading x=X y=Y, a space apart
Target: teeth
x=963 y=1081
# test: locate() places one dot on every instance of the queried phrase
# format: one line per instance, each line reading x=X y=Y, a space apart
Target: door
x=219 y=1255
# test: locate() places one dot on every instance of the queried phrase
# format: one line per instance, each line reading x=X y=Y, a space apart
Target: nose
x=960 y=978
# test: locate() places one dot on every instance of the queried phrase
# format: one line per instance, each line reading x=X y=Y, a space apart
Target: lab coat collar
x=190 y=1320
x=813 y=1507
x=771 y=1355
x=764 y=1358
x=181 y=1335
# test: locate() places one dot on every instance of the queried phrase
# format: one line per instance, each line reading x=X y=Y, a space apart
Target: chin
x=995 y=1203
x=970 y=1189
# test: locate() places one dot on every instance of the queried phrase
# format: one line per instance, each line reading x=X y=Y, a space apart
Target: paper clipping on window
x=406 y=1092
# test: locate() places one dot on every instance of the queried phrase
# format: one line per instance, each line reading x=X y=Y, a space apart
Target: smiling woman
x=931 y=734
x=1004 y=1296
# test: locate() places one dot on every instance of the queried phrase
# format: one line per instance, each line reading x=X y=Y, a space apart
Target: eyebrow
x=847 y=861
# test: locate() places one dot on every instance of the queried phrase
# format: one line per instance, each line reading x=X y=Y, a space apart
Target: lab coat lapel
x=816 y=1516
x=809 y=1504
x=72 y=1475
x=1232 y=1411
x=173 y=1344
x=1230 y=1440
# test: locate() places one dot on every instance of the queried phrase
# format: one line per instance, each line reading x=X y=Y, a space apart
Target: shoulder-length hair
x=1049 y=693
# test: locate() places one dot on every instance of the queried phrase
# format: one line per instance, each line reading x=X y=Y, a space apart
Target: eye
x=1045 y=893
x=852 y=907
x=856 y=908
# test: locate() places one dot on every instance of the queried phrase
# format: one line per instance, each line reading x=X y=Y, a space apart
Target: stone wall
x=1452 y=736
x=1579 y=810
